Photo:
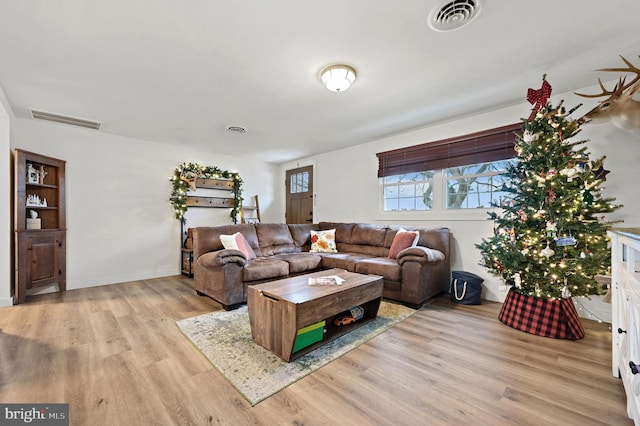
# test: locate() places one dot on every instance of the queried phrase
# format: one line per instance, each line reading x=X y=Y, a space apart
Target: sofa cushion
x=435 y=237
x=369 y=235
x=301 y=234
x=343 y=230
x=323 y=241
x=206 y=239
x=238 y=242
x=301 y=262
x=389 y=269
x=249 y=232
x=342 y=260
x=371 y=251
x=262 y=268
x=402 y=240
x=275 y=238
x=273 y=234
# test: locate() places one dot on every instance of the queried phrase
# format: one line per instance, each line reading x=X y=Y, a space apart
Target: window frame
x=429 y=181
x=490 y=174
x=302 y=182
x=439 y=210
x=491 y=145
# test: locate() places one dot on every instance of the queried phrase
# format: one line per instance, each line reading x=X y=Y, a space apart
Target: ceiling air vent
x=237 y=129
x=452 y=15
x=57 y=118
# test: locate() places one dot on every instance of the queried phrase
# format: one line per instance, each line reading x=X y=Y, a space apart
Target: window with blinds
x=458 y=173
x=481 y=147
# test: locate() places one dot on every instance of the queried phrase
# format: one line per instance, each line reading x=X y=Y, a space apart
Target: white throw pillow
x=238 y=242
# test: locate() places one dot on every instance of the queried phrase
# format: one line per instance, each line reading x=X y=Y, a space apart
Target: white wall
x=121 y=225
x=622 y=152
x=6 y=227
x=347 y=186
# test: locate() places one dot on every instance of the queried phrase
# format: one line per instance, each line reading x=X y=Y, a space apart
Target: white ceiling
x=179 y=72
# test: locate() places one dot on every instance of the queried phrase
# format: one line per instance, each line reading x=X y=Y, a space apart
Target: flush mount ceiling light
x=338 y=78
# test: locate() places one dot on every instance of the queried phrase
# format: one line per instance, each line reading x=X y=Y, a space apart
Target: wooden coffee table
x=278 y=309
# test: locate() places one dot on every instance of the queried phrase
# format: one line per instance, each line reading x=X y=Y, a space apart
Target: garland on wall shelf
x=184 y=180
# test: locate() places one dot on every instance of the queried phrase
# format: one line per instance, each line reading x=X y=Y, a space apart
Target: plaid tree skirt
x=548 y=318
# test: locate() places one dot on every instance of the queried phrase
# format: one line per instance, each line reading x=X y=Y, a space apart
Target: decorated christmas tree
x=550 y=238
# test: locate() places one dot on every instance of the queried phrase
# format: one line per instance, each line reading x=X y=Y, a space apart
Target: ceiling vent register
x=64 y=119
x=452 y=15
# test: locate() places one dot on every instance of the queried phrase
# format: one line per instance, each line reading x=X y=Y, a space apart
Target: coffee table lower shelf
x=332 y=331
x=277 y=310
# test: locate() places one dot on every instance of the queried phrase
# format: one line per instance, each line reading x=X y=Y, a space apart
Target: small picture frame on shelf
x=251 y=220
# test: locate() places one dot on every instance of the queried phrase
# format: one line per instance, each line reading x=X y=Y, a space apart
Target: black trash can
x=466 y=288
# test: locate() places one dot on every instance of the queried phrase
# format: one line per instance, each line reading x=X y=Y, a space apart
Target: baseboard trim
x=5 y=303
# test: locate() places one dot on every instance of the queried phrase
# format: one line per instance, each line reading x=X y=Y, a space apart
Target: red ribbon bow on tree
x=538 y=98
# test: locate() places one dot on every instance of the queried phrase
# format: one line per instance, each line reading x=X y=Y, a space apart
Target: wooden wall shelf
x=186 y=255
x=224 y=184
x=212 y=202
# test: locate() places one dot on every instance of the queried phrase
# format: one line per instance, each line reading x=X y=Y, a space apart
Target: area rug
x=224 y=337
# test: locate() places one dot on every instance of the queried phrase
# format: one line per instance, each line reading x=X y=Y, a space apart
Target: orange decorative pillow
x=402 y=240
x=238 y=242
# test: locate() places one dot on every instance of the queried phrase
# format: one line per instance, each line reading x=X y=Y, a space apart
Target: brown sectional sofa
x=417 y=274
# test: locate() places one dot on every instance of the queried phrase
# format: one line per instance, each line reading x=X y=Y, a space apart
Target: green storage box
x=309 y=335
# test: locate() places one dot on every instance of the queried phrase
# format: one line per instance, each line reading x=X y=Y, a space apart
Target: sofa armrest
x=421 y=255
x=221 y=258
x=425 y=273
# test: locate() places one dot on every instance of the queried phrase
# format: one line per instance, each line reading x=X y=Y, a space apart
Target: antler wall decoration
x=619 y=107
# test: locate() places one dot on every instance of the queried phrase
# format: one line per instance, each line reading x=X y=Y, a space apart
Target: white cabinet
x=625 y=310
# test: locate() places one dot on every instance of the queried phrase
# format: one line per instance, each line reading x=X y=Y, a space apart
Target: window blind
x=480 y=147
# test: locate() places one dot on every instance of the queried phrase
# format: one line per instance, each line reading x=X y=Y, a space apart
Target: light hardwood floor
x=115 y=354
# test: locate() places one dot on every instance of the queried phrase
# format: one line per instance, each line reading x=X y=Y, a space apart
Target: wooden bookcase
x=40 y=243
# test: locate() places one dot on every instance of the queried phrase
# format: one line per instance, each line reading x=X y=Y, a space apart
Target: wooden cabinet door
x=42 y=262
